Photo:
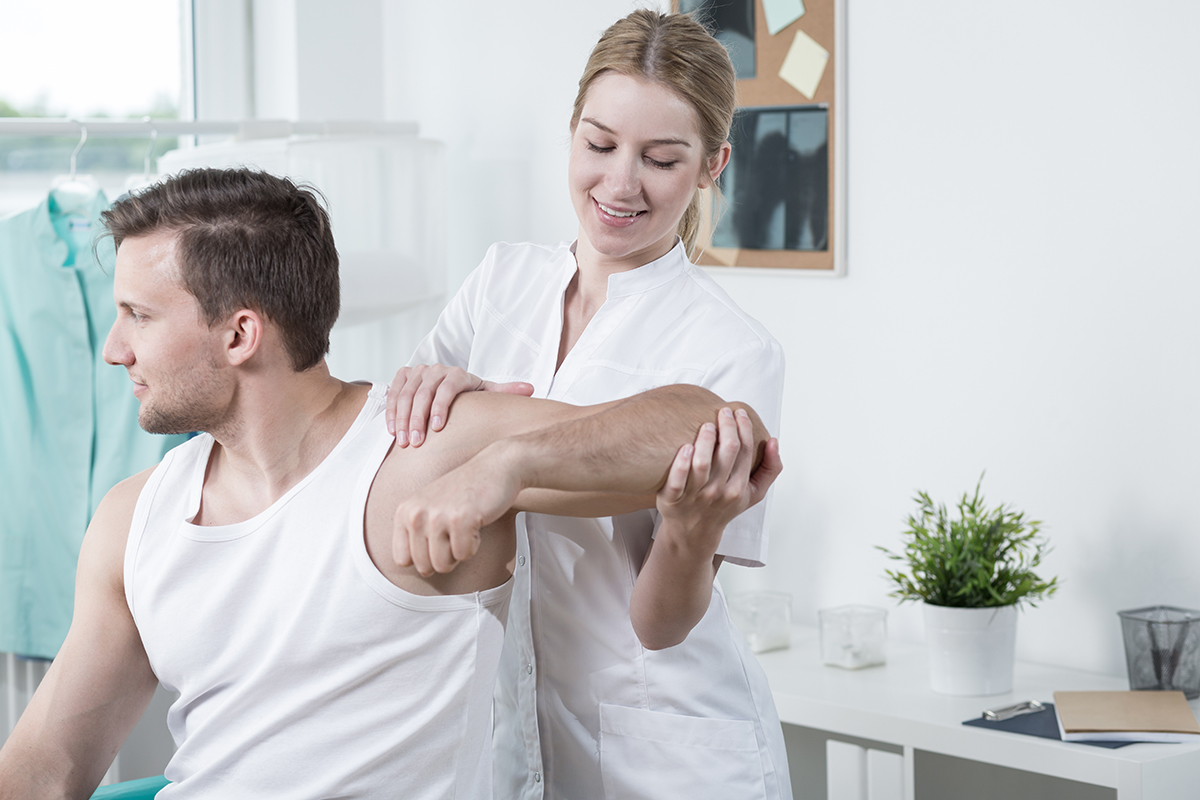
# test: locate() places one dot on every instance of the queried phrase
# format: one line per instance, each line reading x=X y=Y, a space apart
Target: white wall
x=495 y=82
x=1022 y=283
x=1021 y=277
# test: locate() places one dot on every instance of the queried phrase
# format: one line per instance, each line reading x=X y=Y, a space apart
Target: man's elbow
x=707 y=403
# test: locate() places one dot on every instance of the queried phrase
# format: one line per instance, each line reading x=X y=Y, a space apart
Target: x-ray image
x=777 y=181
x=732 y=23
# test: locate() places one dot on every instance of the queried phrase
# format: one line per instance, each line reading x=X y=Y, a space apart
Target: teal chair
x=143 y=789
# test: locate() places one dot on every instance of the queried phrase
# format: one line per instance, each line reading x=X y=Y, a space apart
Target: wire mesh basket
x=1162 y=648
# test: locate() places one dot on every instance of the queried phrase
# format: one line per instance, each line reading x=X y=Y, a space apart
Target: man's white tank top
x=302 y=671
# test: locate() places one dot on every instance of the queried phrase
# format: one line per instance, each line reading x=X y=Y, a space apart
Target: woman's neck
x=588 y=289
x=585 y=295
x=594 y=263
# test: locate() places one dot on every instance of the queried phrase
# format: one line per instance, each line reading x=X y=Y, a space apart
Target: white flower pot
x=971 y=650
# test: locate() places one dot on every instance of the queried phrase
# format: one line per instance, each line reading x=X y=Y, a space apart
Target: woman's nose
x=623 y=178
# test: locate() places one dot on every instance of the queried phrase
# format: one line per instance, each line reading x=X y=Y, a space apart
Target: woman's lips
x=615 y=217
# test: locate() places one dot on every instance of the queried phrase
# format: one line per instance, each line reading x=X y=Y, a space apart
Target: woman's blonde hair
x=679 y=53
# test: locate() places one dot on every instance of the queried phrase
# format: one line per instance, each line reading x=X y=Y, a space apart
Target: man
x=253 y=572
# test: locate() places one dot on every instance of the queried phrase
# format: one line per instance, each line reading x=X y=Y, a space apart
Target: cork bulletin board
x=784 y=188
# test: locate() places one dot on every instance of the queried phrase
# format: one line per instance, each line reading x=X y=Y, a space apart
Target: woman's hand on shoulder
x=419 y=398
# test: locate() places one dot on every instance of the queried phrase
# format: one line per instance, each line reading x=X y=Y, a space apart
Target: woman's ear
x=244 y=336
x=717 y=164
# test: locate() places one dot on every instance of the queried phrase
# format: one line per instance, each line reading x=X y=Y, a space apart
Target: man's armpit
x=581 y=504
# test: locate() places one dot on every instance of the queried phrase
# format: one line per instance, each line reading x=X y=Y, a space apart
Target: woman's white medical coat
x=582 y=709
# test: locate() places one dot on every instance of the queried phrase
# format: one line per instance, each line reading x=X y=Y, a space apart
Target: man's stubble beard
x=192 y=405
x=176 y=421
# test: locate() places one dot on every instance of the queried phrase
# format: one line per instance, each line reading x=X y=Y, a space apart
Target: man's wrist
x=513 y=457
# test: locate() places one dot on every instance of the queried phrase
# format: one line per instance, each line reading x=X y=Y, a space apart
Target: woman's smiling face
x=636 y=159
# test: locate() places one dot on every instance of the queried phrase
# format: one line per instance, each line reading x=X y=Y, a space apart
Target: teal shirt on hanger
x=68 y=421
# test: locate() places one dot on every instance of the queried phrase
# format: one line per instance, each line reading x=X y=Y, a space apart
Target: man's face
x=161 y=338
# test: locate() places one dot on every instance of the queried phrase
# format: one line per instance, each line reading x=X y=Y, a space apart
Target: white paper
x=781 y=13
x=804 y=64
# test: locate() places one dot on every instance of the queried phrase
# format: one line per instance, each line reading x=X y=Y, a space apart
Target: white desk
x=894 y=704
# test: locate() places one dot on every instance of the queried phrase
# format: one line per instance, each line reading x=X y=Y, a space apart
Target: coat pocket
x=652 y=754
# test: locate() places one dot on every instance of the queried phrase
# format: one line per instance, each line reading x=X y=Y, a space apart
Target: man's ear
x=716 y=165
x=243 y=335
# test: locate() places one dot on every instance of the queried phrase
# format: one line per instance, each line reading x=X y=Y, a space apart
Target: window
x=121 y=59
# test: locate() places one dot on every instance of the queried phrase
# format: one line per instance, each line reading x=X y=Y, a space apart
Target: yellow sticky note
x=804 y=64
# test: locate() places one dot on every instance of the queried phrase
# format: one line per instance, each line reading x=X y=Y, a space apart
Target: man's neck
x=279 y=431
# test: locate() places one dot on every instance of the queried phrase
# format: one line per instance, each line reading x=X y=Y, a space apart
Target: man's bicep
x=478 y=419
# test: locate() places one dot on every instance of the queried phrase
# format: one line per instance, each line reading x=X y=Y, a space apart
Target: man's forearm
x=625 y=448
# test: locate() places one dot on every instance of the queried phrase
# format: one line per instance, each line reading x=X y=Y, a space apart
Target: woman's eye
x=660 y=164
x=597 y=149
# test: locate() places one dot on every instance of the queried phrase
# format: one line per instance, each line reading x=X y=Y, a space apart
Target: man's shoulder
x=405 y=469
x=117 y=508
x=122 y=499
x=104 y=545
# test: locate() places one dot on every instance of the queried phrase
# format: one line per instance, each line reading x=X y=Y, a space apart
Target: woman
x=622 y=675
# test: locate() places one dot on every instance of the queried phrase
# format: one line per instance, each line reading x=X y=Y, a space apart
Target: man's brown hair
x=246 y=239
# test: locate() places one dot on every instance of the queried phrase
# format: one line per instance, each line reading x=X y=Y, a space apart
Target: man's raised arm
x=568 y=460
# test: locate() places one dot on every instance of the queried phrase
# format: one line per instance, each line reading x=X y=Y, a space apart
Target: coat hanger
x=74 y=193
x=135 y=182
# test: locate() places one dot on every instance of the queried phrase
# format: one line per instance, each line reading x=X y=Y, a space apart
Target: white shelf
x=243 y=129
x=894 y=704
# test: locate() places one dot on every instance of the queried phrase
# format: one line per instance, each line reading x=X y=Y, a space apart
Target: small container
x=1162 y=648
x=764 y=618
x=852 y=637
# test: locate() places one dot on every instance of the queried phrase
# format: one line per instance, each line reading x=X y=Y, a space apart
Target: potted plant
x=971 y=574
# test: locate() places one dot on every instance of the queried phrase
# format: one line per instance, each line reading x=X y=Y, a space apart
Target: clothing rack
x=242 y=130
